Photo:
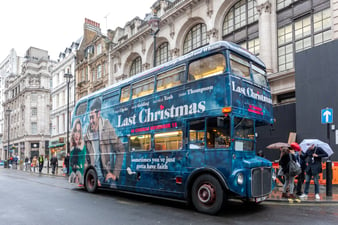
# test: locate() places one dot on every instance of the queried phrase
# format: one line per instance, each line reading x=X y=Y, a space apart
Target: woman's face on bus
x=77 y=134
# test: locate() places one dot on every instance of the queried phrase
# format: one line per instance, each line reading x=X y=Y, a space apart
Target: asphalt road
x=28 y=199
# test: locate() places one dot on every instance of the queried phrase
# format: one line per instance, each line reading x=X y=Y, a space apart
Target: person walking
x=53 y=163
x=313 y=157
x=41 y=159
x=66 y=162
x=34 y=163
x=280 y=173
x=289 y=179
x=26 y=163
x=301 y=177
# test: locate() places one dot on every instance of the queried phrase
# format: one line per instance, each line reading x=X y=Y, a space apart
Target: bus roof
x=216 y=45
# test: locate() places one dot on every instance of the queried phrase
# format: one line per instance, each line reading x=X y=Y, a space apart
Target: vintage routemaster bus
x=182 y=130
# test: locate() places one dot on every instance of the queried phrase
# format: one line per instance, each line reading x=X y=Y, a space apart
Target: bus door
x=168 y=159
x=196 y=144
x=138 y=170
x=218 y=154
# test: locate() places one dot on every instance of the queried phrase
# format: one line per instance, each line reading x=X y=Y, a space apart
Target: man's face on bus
x=94 y=121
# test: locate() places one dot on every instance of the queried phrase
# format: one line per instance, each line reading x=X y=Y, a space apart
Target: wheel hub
x=206 y=194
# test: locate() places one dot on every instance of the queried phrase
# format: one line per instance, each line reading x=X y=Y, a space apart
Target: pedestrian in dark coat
x=314 y=157
x=289 y=180
x=40 y=160
x=53 y=163
x=67 y=163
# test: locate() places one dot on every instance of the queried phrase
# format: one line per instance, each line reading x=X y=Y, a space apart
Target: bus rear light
x=178 y=180
x=226 y=110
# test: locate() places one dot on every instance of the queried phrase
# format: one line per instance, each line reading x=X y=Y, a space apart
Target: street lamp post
x=68 y=77
x=154 y=23
x=8 y=114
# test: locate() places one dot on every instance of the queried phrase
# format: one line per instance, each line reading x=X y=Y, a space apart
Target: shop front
x=58 y=148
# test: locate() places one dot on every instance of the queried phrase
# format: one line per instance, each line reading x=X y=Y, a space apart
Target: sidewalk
x=276 y=195
x=45 y=170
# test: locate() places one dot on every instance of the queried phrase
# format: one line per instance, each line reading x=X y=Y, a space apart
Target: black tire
x=91 y=181
x=207 y=194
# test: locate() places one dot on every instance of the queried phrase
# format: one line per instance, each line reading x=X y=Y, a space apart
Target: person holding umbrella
x=300 y=156
x=314 y=155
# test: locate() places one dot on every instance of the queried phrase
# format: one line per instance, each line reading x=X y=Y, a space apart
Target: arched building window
x=302 y=26
x=196 y=38
x=240 y=25
x=162 y=53
x=136 y=66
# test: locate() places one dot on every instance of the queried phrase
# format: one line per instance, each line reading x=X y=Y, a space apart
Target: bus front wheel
x=91 y=181
x=207 y=194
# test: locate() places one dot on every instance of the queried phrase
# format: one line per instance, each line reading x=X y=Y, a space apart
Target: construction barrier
x=322 y=176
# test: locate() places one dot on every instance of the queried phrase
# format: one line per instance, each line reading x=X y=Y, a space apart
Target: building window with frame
x=240 y=25
x=34 y=111
x=162 y=53
x=195 y=38
x=283 y=3
x=34 y=127
x=136 y=66
x=98 y=49
x=82 y=75
x=322 y=27
x=301 y=34
x=252 y=46
x=99 y=72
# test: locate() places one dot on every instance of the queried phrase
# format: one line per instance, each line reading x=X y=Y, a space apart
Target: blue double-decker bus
x=182 y=130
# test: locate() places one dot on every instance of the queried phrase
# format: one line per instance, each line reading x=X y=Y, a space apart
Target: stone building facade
x=272 y=29
x=8 y=67
x=28 y=97
x=59 y=96
x=92 y=66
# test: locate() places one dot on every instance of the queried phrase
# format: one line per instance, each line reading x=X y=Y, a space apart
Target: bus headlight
x=240 y=178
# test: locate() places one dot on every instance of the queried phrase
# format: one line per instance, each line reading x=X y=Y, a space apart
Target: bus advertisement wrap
x=184 y=130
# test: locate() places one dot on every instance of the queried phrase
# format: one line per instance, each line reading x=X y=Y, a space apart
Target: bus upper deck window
x=240 y=66
x=259 y=76
x=125 y=94
x=81 y=109
x=143 y=88
x=205 y=67
x=170 y=78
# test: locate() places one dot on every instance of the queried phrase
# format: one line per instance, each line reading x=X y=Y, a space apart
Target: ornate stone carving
x=210 y=7
x=213 y=33
x=174 y=52
x=145 y=66
x=265 y=7
x=172 y=29
x=34 y=81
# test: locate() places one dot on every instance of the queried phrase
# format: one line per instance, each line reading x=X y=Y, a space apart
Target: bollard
x=328 y=178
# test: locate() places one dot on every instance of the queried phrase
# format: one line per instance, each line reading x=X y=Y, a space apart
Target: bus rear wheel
x=91 y=181
x=207 y=194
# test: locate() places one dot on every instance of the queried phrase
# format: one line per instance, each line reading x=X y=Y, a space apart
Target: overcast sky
x=53 y=25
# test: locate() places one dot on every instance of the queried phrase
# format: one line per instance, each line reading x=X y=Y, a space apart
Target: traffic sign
x=327 y=115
